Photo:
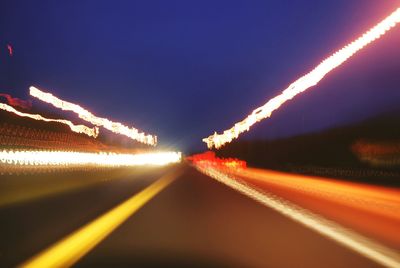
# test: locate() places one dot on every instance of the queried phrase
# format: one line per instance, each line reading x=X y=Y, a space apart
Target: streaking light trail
x=92 y=132
x=84 y=114
x=303 y=83
x=346 y=237
x=46 y=158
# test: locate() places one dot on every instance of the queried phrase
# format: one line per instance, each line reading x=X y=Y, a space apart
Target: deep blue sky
x=182 y=69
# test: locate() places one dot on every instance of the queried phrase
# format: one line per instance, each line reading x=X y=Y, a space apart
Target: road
x=195 y=221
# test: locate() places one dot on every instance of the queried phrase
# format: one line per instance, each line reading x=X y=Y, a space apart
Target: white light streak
x=303 y=83
x=92 y=132
x=60 y=158
x=84 y=114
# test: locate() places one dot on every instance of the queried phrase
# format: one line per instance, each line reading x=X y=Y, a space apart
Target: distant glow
x=366 y=247
x=17 y=102
x=84 y=114
x=92 y=132
x=41 y=158
x=10 y=50
x=209 y=158
x=303 y=83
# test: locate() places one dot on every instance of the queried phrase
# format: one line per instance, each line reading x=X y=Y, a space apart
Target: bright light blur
x=346 y=237
x=92 y=132
x=84 y=114
x=303 y=83
x=40 y=158
x=210 y=159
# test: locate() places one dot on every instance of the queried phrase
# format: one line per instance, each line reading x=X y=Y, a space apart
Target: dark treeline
x=330 y=148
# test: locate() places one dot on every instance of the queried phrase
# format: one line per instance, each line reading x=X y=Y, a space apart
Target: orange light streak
x=369 y=248
x=84 y=114
x=303 y=83
x=92 y=132
x=374 y=200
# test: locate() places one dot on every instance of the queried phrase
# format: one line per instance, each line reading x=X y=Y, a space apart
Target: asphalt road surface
x=194 y=222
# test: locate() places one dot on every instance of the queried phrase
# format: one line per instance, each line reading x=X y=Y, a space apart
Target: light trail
x=369 y=209
x=375 y=199
x=54 y=158
x=92 y=132
x=350 y=239
x=84 y=114
x=69 y=250
x=303 y=83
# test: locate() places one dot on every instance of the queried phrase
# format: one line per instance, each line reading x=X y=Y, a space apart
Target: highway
x=190 y=221
x=99 y=164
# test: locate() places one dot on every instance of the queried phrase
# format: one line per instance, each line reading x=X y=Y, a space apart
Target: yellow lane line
x=69 y=250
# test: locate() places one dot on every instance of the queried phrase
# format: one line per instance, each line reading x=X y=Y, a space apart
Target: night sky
x=182 y=69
